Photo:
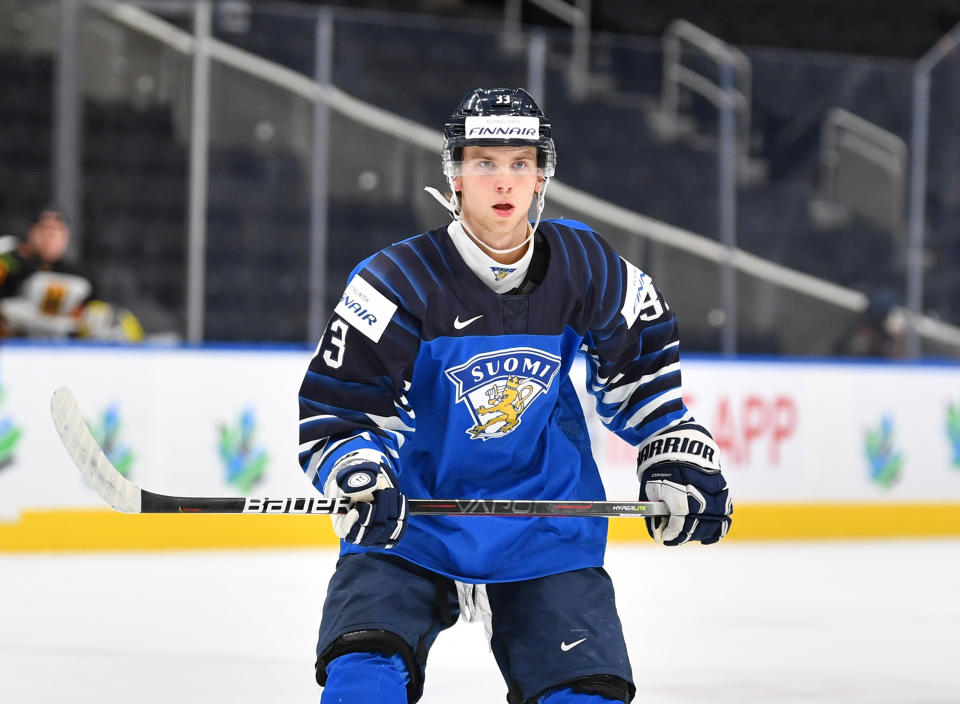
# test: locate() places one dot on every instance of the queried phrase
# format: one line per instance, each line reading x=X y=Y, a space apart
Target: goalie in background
x=42 y=296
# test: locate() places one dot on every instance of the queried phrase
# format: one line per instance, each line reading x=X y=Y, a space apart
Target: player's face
x=49 y=237
x=497 y=186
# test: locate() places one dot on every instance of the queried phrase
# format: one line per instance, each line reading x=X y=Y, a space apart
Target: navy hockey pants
x=547 y=632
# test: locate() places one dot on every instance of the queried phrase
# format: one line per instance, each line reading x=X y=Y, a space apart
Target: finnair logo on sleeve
x=502 y=126
x=365 y=308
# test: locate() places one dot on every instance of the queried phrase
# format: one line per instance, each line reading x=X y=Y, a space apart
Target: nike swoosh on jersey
x=460 y=325
x=564 y=646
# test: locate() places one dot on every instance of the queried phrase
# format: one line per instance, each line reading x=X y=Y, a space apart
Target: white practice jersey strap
x=475 y=606
x=500 y=277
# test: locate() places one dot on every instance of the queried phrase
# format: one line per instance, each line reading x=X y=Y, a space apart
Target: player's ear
x=539 y=186
x=457 y=184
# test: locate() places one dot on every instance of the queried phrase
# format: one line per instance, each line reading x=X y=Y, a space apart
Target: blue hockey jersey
x=467 y=394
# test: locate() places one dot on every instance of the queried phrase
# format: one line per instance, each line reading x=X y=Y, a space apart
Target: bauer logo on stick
x=319 y=504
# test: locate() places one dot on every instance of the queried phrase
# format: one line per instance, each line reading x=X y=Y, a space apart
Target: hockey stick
x=126 y=497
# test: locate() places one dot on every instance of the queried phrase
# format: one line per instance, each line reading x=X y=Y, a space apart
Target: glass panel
x=29 y=33
x=810 y=213
x=258 y=216
x=284 y=34
x=794 y=217
x=376 y=196
x=419 y=66
x=942 y=256
x=607 y=146
x=134 y=166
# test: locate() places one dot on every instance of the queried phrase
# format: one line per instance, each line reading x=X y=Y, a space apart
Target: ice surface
x=793 y=623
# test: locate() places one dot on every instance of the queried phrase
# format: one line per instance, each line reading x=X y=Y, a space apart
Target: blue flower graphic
x=245 y=462
x=886 y=461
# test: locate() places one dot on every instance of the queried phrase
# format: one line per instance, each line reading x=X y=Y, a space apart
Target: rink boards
x=810 y=449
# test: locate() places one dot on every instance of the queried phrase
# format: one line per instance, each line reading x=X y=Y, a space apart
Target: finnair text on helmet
x=501 y=127
x=506 y=132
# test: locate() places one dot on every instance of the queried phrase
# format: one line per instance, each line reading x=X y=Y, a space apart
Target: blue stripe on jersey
x=368 y=395
x=334 y=424
x=572 y=224
x=600 y=269
x=634 y=436
x=659 y=358
x=320 y=420
x=391 y=254
x=642 y=393
x=565 y=259
x=427 y=250
x=422 y=260
x=393 y=281
x=619 y=418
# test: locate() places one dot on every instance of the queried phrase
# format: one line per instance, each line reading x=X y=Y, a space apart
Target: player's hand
x=699 y=503
x=378 y=513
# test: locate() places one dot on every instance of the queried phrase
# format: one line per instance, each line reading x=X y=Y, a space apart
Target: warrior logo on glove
x=680 y=467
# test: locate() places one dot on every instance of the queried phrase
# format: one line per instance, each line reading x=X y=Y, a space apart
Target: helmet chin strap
x=449 y=205
x=453 y=207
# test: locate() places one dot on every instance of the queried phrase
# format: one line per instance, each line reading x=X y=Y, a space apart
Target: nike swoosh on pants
x=564 y=646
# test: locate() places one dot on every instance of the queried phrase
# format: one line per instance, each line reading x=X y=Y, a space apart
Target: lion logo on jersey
x=498 y=388
x=507 y=402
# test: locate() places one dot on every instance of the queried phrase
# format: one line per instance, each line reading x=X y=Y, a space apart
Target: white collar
x=499 y=277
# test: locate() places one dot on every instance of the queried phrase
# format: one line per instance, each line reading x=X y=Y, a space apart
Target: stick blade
x=101 y=475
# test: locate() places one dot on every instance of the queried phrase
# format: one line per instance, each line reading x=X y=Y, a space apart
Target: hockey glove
x=681 y=468
x=378 y=513
x=699 y=503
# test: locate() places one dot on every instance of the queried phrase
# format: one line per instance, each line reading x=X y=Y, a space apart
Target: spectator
x=877 y=332
x=43 y=250
x=43 y=296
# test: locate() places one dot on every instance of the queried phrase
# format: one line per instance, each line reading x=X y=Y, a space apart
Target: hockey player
x=444 y=373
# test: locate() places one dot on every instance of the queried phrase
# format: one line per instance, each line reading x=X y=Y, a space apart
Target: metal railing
x=918 y=183
x=325 y=95
x=575 y=14
x=846 y=137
